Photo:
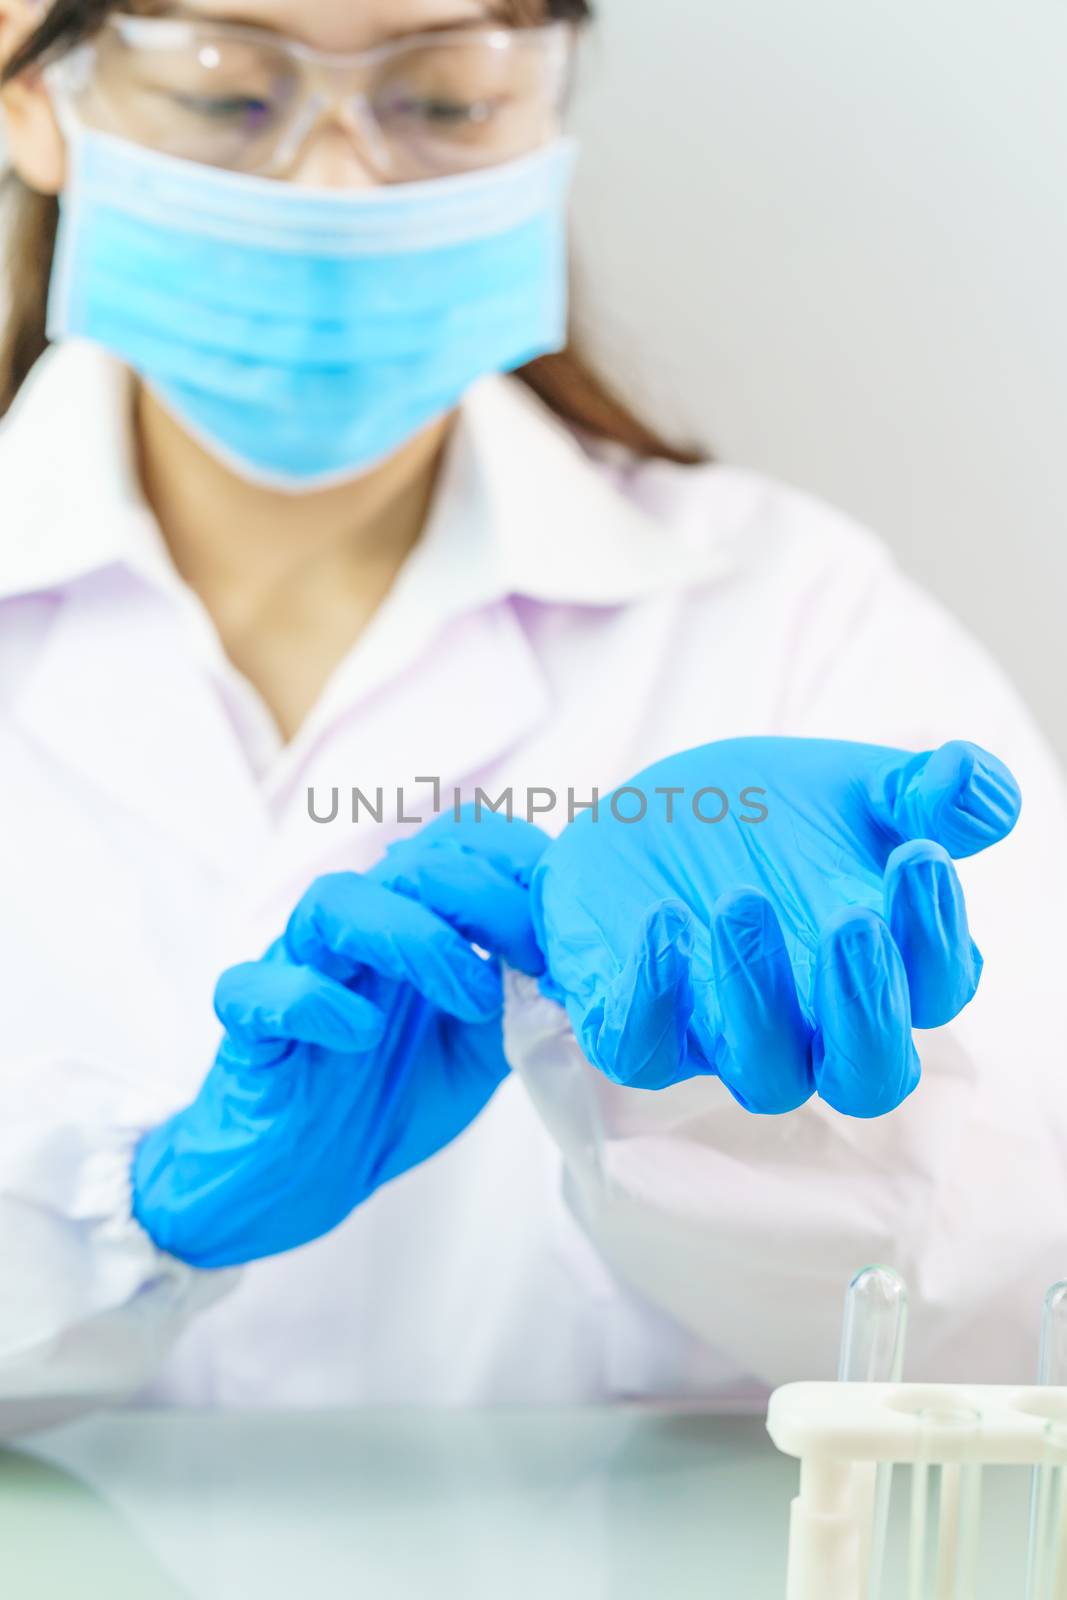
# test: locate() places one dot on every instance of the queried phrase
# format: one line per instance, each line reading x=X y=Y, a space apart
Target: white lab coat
x=564 y=622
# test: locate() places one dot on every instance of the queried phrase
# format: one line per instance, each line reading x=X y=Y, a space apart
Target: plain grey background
x=829 y=240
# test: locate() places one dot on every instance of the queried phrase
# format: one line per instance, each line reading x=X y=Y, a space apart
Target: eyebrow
x=191 y=13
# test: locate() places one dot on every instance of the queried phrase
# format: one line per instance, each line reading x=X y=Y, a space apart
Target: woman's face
x=334 y=149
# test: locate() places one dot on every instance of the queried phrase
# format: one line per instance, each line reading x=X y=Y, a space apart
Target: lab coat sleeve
x=745 y=1230
x=89 y=1307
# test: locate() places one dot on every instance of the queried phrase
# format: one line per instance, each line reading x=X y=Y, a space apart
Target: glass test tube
x=1046 y=1562
x=1046 y=1568
x=872 y=1351
x=1052 y=1365
x=945 y=1525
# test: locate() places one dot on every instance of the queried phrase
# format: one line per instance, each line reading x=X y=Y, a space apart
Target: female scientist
x=281 y=541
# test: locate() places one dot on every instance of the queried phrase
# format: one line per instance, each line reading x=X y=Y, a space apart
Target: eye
x=225 y=108
x=445 y=113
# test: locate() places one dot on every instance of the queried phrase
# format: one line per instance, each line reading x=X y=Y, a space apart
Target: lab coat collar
x=541 y=520
x=72 y=501
x=561 y=530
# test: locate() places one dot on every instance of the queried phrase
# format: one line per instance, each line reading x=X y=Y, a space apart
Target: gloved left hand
x=788 y=954
x=361 y=1043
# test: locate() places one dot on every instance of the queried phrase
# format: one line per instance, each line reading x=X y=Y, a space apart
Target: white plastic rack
x=849 y=1436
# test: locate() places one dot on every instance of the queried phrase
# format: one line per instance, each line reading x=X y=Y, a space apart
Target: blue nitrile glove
x=362 y=1043
x=791 y=955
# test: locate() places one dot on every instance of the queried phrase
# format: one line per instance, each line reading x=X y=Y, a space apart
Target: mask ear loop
x=65 y=78
x=57 y=77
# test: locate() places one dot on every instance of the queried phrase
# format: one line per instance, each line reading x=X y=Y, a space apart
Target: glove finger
x=961 y=796
x=764 y=1049
x=927 y=916
x=262 y=1003
x=636 y=1033
x=472 y=894
x=864 y=1058
x=513 y=845
x=347 y=915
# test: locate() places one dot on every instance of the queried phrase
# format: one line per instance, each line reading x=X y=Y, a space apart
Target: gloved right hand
x=361 y=1044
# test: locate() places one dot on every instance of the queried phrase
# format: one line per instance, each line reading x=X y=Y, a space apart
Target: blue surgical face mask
x=302 y=335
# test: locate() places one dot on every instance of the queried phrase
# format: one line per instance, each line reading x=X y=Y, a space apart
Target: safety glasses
x=246 y=99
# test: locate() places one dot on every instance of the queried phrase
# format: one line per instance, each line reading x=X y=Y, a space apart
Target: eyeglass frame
x=564 y=31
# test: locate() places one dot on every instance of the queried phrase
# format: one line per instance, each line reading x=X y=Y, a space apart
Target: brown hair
x=565 y=382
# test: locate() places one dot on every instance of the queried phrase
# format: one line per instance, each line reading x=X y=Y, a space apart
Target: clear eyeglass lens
x=216 y=100
x=453 y=106
x=229 y=99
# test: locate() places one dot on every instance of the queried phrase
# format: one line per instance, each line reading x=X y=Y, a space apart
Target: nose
x=336 y=153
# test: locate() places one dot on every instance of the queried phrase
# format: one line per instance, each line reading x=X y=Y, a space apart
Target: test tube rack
x=847 y=1435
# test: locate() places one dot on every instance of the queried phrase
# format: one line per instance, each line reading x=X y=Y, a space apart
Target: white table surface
x=620 y=1504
